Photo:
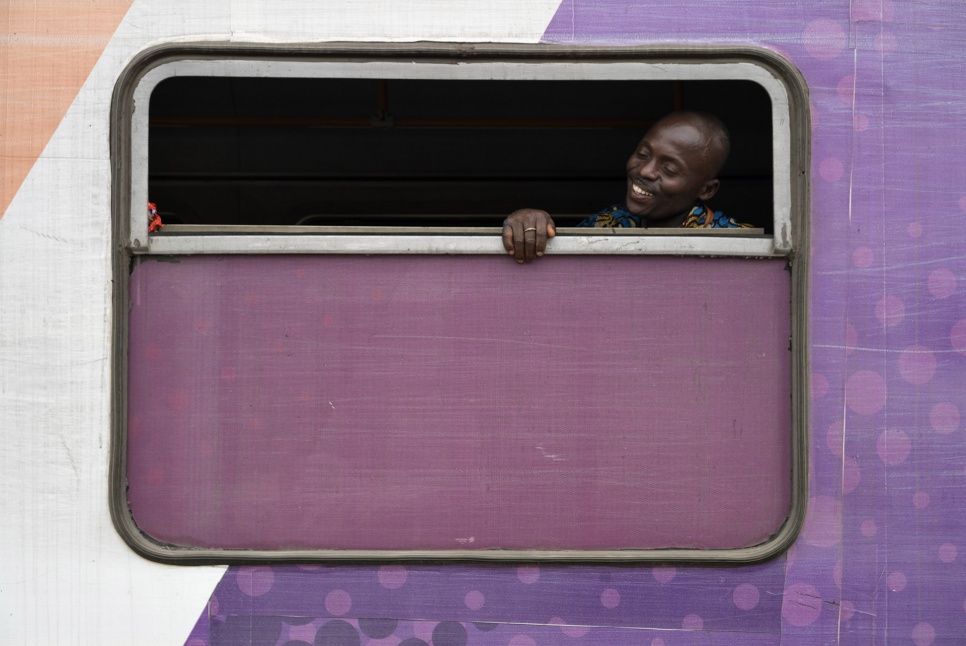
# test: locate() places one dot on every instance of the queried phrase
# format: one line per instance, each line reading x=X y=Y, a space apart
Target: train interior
x=279 y=152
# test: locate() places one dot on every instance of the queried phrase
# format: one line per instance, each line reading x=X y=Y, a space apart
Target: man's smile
x=640 y=191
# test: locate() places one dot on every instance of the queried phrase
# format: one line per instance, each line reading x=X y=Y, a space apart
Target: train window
x=427 y=152
x=318 y=356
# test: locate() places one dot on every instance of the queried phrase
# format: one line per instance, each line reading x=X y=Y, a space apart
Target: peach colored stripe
x=47 y=50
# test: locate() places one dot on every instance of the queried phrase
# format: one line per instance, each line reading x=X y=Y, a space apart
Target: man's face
x=672 y=167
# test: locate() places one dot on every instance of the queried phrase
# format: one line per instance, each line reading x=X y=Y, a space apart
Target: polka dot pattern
x=890 y=310
x=474 y=600
x=338 y=602
x=888 y=350
x=746 y=597
x=896 y=582
x=610 y=598
x=803 y=604
x=865 y=392
x=824 y=39
x=392 y=576
x=917 y=364
x=944 y=417
x=255 y=581
x=528 y=574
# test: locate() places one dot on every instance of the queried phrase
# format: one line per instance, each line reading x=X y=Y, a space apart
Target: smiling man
x=670 y=175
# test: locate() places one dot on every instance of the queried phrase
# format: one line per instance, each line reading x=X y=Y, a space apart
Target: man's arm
x=525 y=233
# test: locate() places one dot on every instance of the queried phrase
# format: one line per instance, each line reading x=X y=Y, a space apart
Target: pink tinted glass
x=411 y=402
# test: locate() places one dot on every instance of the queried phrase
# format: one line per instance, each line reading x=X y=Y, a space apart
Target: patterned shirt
x=700 y=217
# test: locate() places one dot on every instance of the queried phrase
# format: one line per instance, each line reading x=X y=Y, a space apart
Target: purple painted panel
x=459 y=402
x=553 y=604
x=880 y=561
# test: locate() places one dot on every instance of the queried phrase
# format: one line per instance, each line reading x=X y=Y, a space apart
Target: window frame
x=791 y=162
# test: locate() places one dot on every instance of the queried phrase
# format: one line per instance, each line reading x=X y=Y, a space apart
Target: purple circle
x=823 y=522
x=896 y=581
x=860 y=122
x=521 y=640
x=893 y=446
x=886 y=42
x=837 y=573
x=914 y=229
x=957 y=336
x=890 y=310
x=947 y=552
x=746 y=596
x=392 y=577
x=920 y=500
x=851 y=338
x=923 y=634
x=692 y=622
x=449 y=633
x=824 y=39
x=255 y=581
x=851 y=475
x=338 y=602
x=424 y=630
x=528 y=574
x=575 y=632
x=865 y=392
x=474 y=600
x=862 y=257
x=834 y=437
x=802 y=604
x=657 y=641
x=818 y=385
x=868 y=528
x=917 y=364
x=213 y=606
x=831 y=169
x=944 y=417
x=305 y=632
x=845 y=89
x=663 y=573
x=847 y=609
x=610 y=598
x=941 y=283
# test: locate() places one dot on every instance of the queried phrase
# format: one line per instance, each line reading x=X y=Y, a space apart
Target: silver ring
x=530 y=229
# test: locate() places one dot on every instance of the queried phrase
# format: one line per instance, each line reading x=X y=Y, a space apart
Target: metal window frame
x=791 y=162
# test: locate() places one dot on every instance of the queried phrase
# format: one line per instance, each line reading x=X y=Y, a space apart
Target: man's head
x=676 y=163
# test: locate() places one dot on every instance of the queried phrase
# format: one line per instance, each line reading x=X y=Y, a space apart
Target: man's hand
x=525 y=233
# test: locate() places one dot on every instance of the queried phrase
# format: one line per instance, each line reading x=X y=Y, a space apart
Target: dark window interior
x=280 y=151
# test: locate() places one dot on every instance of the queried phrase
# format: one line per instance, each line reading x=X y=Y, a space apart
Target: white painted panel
x=388 y=20
x=67 y=578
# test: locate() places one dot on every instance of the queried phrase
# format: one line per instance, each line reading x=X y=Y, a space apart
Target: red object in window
x=154 y=220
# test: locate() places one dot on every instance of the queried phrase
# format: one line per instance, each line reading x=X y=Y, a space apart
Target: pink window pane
x=444 y=403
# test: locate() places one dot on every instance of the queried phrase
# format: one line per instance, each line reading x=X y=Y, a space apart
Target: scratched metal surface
x=879 y=559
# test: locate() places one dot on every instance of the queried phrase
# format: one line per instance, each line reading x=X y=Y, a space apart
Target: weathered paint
x=880 y=558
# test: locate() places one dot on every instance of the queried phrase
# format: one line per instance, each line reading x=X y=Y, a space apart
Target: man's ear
x=709 y=189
